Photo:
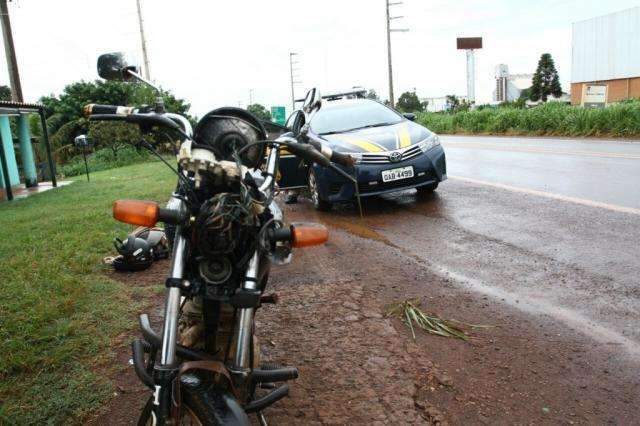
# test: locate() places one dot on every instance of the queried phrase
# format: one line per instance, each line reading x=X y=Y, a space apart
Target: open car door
x=293 y=172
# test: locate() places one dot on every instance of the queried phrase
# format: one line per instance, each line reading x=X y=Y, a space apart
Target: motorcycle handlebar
x=309 y=153
x=331 y=155
x=97 y=109
x=142 y=119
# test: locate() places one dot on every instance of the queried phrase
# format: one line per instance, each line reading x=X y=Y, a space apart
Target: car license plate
x=397 y=174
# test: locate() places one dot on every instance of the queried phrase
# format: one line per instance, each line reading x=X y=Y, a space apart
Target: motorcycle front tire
x=203 y=405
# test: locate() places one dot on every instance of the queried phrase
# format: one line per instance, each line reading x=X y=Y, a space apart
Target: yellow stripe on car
x=283 y=152
x=362 y=144
x=404 y=136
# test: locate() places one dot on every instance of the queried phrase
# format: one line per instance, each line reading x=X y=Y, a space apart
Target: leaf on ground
x=413 y=317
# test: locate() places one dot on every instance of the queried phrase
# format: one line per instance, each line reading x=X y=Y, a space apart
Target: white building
x=509 y=86
x=605 y=58
x=439 y=103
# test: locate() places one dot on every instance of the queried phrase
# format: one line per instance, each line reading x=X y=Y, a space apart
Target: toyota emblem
x=395 y=156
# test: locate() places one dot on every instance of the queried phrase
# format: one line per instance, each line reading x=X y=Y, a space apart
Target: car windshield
x=351 y=116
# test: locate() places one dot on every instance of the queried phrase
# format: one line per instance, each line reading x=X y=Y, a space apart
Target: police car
x=392 y=153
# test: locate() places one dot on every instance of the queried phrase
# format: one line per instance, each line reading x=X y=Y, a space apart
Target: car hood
x=379 y=139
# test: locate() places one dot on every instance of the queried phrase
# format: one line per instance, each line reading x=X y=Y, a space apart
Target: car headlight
x=429 y=143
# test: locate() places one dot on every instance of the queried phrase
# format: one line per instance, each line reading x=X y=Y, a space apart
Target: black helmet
x=140 y=249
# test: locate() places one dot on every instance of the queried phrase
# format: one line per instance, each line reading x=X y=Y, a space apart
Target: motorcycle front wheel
x=202 y=405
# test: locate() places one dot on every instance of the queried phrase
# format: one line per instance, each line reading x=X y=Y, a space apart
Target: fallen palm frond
x=410 y=314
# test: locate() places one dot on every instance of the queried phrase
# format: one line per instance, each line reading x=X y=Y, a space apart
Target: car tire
x=427 y=189
x=318 y=203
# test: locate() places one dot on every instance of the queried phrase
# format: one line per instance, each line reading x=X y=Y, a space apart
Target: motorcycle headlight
x=429 y=143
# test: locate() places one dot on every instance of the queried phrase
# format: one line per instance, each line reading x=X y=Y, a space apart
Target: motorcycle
x=225 y=231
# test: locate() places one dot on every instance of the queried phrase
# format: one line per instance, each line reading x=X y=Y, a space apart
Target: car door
x=292 y=172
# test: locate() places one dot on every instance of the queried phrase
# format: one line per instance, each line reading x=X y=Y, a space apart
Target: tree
x=452 y=102
x=409 y=102
x=545 y=81
x=525 y=94
x=371 y=94
x=259 y=111
x=5 y=93
x=64 y=112
x=113 y=135
x=455 y=104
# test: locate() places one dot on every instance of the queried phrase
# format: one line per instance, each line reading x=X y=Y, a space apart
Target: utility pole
x=293 y=81
x=12 y=64
x=145 y=57
x=250 y=96
x=389 y=31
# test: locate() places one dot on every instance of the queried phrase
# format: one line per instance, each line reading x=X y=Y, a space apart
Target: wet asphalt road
x=600 y=171
x=530 y=223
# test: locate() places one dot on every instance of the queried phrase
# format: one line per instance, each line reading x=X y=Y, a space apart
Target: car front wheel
x=318 y=203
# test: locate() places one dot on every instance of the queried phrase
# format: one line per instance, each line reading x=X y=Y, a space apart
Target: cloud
x=212 y=53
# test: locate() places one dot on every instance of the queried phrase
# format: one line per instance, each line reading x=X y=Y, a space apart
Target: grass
x=105 y=159
x=551 y=119
x=58 y=310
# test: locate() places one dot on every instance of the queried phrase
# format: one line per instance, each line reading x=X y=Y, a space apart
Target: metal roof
x=10 y=107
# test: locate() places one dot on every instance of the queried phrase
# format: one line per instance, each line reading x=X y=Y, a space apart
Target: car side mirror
x=114 y=67
x=409 y=116
x=312 y=101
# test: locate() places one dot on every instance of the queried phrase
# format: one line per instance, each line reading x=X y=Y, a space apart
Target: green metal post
x=9 y=152
x=47 y=145
x=26 y=152
x=4 y=176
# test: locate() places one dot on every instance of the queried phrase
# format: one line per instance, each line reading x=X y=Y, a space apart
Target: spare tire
x=228 y=129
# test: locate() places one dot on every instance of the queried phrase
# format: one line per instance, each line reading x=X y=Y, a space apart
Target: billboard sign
x=594 y=95
x=468 y=43
x=278 y=115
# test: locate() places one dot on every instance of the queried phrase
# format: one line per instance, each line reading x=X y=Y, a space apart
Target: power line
x=389 y=60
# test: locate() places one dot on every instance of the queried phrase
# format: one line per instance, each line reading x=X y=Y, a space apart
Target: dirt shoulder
x=358 y=367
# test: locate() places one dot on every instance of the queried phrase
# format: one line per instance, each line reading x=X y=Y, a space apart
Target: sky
x=216 y=53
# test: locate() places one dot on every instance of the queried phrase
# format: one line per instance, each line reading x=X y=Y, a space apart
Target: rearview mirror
x=114 y=67
x=409 y=116
x=312 y=100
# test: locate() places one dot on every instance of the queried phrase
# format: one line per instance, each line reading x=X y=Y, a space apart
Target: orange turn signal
x=309 y=234
x=136 y=212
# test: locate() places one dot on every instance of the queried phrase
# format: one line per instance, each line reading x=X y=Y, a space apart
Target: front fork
x=243 y=333
x=164 y=372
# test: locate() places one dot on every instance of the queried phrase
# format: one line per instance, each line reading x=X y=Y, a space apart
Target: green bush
x=437 y=122
x=104 y=159
x=552 y=118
